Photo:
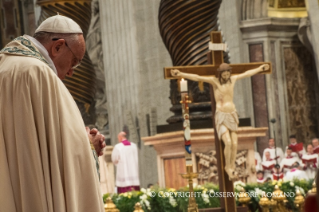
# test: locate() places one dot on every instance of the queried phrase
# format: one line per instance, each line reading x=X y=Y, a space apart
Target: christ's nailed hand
x=175 y=72
x=264 y=67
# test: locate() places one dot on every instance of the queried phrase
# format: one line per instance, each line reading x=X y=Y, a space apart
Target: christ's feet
x=232 y=174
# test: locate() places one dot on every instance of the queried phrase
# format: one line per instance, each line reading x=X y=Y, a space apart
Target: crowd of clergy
x=294 y=162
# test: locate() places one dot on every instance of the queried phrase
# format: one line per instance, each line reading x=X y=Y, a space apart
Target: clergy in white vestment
x=258 y=161
x=125 y=157
x=287 y=163
x=46 y=162
x=315 y=145
x=277 y=155
x=297 y=148
x=295 y=173
x=268 y=166
x=310 y=162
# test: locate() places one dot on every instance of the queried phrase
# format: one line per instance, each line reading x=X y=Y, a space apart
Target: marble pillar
x=134 y=56
x=256 y=54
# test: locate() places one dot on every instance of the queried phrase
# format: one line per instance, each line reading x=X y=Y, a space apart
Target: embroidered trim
x=33 y=52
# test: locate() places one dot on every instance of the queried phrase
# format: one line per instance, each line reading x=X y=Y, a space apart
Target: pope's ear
x=57 y=47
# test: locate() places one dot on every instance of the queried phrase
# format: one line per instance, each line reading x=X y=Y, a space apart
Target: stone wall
x=134 y=56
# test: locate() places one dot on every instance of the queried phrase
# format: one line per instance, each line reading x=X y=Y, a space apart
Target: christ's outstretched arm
x=194 y=77
x=252 y=72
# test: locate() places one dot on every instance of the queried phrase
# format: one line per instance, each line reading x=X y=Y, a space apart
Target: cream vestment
x=46 y=161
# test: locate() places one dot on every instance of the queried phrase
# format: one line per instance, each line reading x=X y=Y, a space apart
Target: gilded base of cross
x=192 y=206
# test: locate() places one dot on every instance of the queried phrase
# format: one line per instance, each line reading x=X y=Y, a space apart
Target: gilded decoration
x=287 y=8
x=271 y=3
x=291 y=3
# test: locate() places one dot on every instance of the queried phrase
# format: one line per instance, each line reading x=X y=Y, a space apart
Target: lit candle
x=183 y=85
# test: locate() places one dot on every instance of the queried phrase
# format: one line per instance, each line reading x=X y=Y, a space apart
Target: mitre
x=59 y=24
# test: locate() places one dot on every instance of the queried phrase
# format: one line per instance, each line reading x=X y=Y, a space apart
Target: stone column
x=134 y=56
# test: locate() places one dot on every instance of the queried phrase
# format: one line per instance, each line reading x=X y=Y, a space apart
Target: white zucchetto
x=59 y=24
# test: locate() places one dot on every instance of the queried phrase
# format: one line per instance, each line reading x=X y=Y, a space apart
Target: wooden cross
x=215 y=58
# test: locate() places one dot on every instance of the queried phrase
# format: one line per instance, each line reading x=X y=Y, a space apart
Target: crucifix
x=225 y=118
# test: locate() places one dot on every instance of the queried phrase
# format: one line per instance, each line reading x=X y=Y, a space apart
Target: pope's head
x=63 y=39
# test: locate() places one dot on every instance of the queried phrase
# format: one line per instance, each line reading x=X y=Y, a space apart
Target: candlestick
x=183 y=85
x=192 y=206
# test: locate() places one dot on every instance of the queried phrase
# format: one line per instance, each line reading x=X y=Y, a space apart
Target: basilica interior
x=120 y=85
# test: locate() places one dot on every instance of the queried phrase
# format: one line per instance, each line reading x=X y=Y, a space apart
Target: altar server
x=310 y=162
x=277 y=154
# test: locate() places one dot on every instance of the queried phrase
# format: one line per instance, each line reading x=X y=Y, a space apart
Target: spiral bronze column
x=185 y=27
x=82 y=84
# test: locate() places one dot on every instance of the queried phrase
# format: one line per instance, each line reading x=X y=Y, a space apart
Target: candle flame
x=183 y=79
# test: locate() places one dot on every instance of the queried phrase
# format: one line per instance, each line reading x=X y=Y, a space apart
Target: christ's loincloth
x=226 y=121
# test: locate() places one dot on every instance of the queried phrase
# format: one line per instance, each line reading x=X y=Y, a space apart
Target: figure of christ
x=226 y=118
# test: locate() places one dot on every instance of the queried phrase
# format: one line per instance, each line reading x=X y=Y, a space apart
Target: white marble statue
x=226 y=118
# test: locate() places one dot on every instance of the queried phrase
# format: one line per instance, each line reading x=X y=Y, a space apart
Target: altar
x=171 y=160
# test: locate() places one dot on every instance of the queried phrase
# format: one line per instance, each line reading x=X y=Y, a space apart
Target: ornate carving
x=207 y=166
x=185 y=28
x=301 y=93
x=82 y=84
x=241 y=169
